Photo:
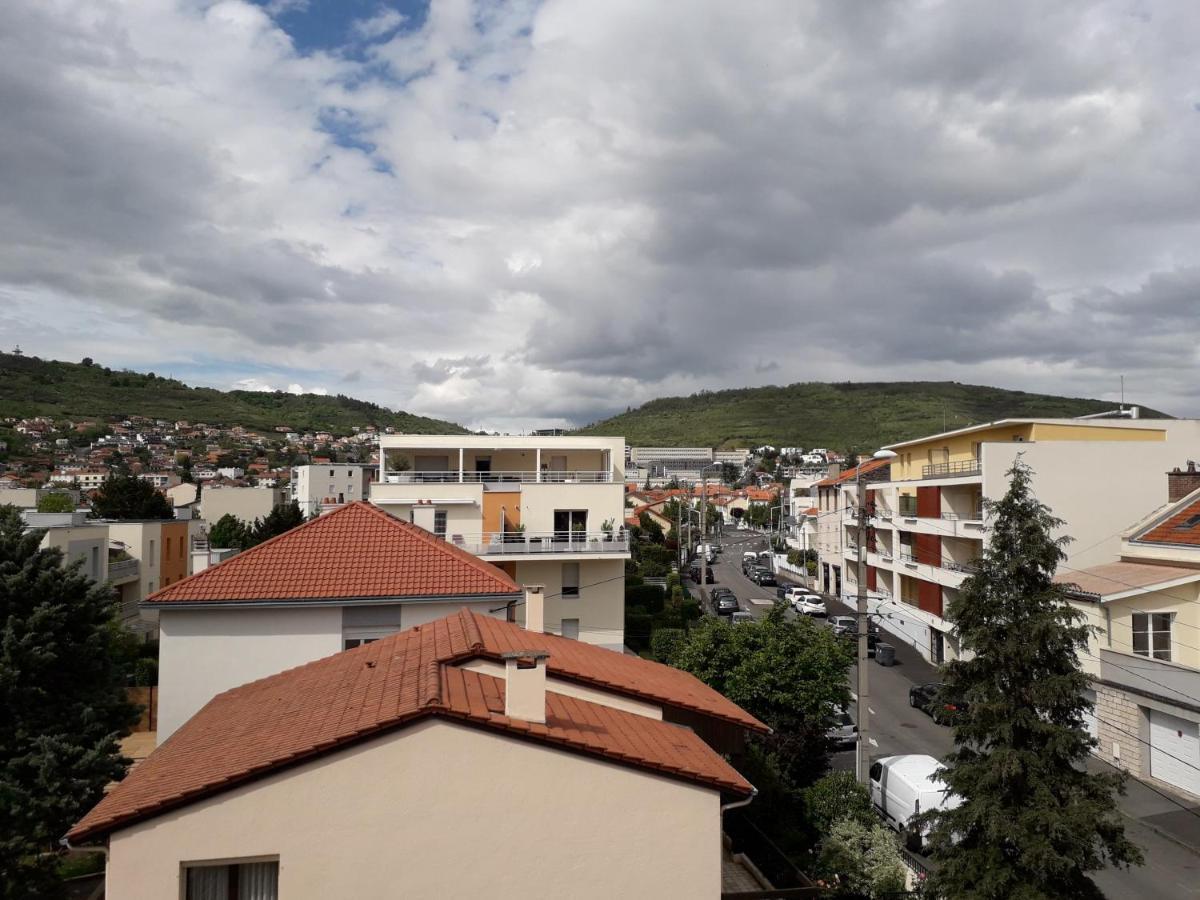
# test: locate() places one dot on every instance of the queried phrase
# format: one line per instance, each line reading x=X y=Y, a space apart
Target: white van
x=903 y=787
x=750 y=555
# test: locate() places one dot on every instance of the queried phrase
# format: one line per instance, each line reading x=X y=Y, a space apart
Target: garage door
x=1175 y=751
x=1089 y=715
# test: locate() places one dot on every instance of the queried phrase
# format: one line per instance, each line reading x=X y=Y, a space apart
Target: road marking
x=871 y=711
x=760 y=602
x=854 y=696
x=872 y=742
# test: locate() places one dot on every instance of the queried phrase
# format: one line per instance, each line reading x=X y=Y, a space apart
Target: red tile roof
x=291 y=717
x=1175 y=529
x=851 y=474
x=356 y=551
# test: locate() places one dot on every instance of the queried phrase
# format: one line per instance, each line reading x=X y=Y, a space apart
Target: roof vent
x=525 y=685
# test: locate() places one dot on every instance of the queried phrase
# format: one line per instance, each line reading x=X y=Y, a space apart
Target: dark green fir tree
x=62 y=704
x=1033 y=822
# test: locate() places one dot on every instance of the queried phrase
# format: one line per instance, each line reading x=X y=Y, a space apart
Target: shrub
x=145 y=672
x=864 y=857
x=648 y=596
x=664 y=641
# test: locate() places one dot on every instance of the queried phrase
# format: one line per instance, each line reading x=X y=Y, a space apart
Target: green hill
x=847 y=416
x=36 y=387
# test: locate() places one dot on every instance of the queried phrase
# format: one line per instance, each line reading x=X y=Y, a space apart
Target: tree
x=790 y=673
x=864 y=858
x=1033 y=822
x=229 y=532
x=56 y=503
x=127 y=497
x=62 y=704
x=277 y=521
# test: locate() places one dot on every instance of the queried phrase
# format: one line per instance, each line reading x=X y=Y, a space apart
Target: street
x=1171 y=871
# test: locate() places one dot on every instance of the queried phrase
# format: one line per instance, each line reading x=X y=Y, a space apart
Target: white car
x=806 y=603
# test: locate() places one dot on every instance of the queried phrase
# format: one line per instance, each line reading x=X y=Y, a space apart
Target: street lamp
x=862 y=759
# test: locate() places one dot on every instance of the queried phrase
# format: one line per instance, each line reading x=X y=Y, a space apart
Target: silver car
x=844 y=733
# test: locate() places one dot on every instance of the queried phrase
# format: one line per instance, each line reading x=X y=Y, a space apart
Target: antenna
x=1122 y=392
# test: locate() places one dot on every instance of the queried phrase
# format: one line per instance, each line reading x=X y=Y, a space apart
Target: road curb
x=1161 y=832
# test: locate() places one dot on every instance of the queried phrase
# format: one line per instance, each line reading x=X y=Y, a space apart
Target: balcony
x=955 y=469
x=517 y=477
x=123 y=570
x=522 y=544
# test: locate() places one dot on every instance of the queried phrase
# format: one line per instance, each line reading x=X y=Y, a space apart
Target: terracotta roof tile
x=851 y=474
x=1175 y=529
x=314 y=709
x=356 y=551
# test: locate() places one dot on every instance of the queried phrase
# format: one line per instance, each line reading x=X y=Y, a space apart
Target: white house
x=333 y=583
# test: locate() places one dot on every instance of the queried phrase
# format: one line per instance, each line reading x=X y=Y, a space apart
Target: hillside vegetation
x=35 y=387
x=854 y=416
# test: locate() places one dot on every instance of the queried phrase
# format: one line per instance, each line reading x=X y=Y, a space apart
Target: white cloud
x=525 y=212
x=254 y=384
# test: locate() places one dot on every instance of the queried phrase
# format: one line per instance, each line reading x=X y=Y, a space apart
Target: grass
x=848 y=416
x=35 y=387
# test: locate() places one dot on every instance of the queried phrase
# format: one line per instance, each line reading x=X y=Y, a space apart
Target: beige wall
x=600 y=606
x=245 y=503
x=442 y=810
x=205 y=651
x=571 y=689
x=88 y=543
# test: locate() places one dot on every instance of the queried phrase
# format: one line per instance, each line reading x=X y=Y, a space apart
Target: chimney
x=535 y=607
x=525 y=685
x=1181 y=483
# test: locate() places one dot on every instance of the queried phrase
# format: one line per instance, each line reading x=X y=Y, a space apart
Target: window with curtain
x=1152 y=635
x=233 y=881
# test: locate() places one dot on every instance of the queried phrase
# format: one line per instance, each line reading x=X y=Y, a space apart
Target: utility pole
x=862 y=758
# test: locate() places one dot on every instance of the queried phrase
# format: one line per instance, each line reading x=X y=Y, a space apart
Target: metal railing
x=974 y=516
x=532 y=543
x=547 y=476
x=908 y=505
x=908 y=559
x=125 y=568
x=951 y=469
x=959 y=567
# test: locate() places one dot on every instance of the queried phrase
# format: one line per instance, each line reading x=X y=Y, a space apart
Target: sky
x=520 y=214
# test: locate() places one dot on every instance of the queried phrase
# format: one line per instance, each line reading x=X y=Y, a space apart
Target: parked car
x=749 y=557
x=727 y=604
x=694 y=574
x=844 y=731
x=929 y=699
x=807 y=604
x=741 y=617
x=903 y=787
x=720 y=591
x=843 y=625
x=765 y=578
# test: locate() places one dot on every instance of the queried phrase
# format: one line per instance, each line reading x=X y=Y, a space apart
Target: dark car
x=765 y=577
x=719 y=591
x=727 y=605
x=930 y=698
x=694 y=574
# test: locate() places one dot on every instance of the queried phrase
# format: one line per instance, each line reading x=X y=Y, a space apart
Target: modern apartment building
x=331 y=484
x=662 y=464
x=546 y=510
x=1147 y=604
x=928 y=524
x=247 y=504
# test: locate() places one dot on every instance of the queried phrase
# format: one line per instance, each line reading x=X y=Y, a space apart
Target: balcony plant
x=607 y=527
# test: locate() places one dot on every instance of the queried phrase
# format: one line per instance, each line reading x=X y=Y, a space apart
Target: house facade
x=347 y=578
x=927 y=523
x=1145 y=604
x=546 y=510
x=495 y=761
x=316 y=487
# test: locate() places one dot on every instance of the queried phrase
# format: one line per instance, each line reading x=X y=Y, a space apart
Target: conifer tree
x=1033 y=822
x=62 y=704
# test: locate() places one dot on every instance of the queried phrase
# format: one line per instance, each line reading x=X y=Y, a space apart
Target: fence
x=147 y=698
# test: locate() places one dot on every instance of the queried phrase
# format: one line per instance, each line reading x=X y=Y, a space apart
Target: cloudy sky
x=518 y=214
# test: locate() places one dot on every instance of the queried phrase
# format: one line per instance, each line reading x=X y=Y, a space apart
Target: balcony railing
x=974 y=516
x=959 y=567
x=123 y=569
x=533 y=543
x=521 y=477
x=951 y=469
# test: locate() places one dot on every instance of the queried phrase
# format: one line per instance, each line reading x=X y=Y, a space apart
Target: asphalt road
x=1170 y=873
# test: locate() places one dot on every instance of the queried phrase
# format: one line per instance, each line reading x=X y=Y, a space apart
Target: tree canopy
x=229 y=531
x=1033 y=822
x=62 y=704
x=56 y=502
x=129 y=497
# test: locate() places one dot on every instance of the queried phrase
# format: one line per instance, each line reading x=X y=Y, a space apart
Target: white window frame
x=1150 y=633
x=221 y=863
x=365 y=634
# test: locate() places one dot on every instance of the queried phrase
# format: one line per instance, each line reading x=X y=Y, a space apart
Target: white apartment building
x=546 y=510
x=330 y=484
x=927 y=522
x=88 y=479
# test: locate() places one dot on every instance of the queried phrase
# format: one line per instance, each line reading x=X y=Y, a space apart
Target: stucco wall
x=205 y=651
x=600 y=606
x=246 y=504
x=441 y=810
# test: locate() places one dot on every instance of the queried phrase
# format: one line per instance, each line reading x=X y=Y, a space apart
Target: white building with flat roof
x=331 y=484
x=546 y=510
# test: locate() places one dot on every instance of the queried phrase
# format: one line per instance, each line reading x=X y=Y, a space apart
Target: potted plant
x=514 y=534
x=607 y=528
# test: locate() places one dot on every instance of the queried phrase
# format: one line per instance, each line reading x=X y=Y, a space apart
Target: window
x=152 y=554
x=232 y=881
x=331 y=473
x=570 y=524
x=351 y=643
x=570 y=629
x=439 y=523
x=570 y=579
x=1152 y=635
x=167 y=548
